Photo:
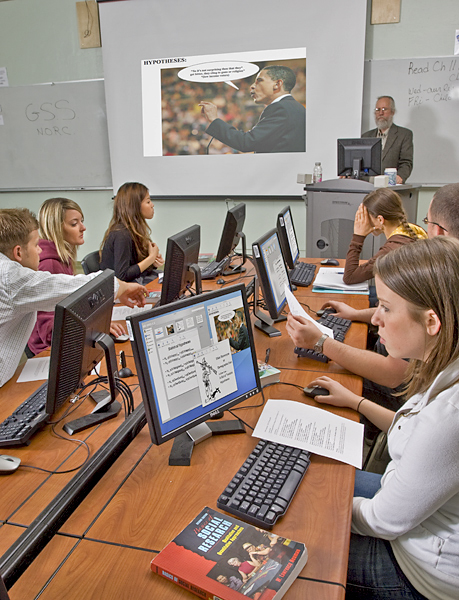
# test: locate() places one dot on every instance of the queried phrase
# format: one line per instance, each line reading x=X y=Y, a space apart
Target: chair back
x=90 y=263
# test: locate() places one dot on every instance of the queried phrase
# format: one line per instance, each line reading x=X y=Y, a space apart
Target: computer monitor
x=359 y=157
x=195 y=359
x=272 y=276
x=287 y=237
x=231 y=234
x=181 y=270
x=81 y=338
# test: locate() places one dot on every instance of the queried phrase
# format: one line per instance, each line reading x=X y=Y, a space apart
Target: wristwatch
x=319 y=345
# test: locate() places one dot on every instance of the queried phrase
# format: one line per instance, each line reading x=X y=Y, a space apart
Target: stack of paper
x=330 y=280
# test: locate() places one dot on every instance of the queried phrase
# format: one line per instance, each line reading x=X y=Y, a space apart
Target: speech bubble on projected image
x=215 y=72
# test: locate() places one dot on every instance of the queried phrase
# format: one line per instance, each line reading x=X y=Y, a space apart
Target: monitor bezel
x=264 y=279
x=90 y=353
x=140 y=357
x=289 y=259
x=368 y=145
x=231 y=232
x=190 y=272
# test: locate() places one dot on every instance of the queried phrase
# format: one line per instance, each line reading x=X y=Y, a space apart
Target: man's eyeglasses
x=426 y=222
x=381 y=110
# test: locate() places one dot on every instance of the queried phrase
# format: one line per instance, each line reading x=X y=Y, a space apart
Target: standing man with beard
x=397 y=142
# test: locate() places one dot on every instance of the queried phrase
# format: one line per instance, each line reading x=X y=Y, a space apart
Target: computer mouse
x=330 y=262
x=122 y=338
x=326 y=311
x=8 y=464
x=312 y=392
x=220 y=281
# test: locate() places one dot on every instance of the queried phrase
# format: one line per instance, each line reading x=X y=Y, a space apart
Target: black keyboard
x=302 y=274
x=262 y=489
x=29 y=417
x=340 y=327
x=213 y=269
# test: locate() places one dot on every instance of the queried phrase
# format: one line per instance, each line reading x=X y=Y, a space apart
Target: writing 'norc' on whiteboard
x=214 y=72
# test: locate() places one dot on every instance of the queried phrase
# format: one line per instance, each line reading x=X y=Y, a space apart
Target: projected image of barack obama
x=282 y=124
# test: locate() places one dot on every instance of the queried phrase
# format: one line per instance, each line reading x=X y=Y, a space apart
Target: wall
x=39 y=43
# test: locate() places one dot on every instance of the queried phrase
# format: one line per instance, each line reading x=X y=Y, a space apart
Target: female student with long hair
x=405 y=523
x=127 y=247
x=380 y=212
x=61 y=231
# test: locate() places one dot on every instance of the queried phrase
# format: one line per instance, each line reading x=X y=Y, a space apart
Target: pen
x=268 y=352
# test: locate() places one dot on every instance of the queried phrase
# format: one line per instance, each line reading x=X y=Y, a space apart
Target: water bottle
x=317 y=175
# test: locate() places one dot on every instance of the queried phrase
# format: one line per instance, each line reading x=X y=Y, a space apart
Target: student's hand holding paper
x=339 y=395
x=303 y=332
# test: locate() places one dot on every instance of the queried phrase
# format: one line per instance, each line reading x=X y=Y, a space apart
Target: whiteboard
x=426 y=94
x=134 y=31
x=54 y=136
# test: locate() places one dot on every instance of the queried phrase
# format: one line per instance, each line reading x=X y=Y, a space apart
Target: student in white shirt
x=405 y=524
x=24 y=290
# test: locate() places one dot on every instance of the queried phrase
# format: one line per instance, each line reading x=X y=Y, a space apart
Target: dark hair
x=444 y=208
x=284 y=73
x=426 y=274
x=388 y=204
x=16 y=225
x=127 y=215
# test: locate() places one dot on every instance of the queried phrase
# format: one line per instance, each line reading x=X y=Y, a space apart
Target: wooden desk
x=142 y=503
x=104 y=549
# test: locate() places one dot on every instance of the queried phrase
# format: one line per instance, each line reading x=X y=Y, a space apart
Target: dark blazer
x=398 y=151
x=281 y=128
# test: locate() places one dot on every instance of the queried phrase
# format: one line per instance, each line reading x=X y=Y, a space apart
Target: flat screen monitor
x=359 y=157
x=195 y=358
x=181 y=270
x=287 y=237
x=231 y=234
x=81 y=338
x=273 y=277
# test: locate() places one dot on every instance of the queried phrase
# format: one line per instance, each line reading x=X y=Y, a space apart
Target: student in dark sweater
x=127 y=247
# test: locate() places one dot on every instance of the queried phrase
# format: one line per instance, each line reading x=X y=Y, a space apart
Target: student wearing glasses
x=397 y=142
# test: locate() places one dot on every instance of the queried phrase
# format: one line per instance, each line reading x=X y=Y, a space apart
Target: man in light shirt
x=24 y=290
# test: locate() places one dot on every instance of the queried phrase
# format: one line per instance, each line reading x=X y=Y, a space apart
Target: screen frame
x=190 y=271
x=263 y=276
x=284 y=239
x=349 y=149
x=140 y=357
x=89 y=354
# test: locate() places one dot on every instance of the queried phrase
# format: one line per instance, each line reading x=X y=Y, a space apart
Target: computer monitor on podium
x=195 y=358
x=273 y=277
x=81 y=338
x=359 y=157
x=231 y=234
x=181 y=270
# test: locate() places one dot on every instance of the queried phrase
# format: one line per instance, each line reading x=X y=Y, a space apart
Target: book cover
x=267 y=373
x=219 y=557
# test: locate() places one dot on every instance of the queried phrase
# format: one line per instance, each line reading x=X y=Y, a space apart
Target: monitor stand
x=184 y=443
x=264 y=322
x=107 y=408
x=238 y=268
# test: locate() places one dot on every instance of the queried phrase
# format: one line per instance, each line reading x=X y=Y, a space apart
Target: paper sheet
x=298 y=311
x=121 y=312
x=35 y=369
x=313 y=429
